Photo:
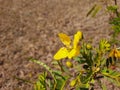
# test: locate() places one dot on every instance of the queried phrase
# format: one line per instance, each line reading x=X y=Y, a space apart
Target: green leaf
x=61 y=82
x=91 y=10
x=50 y=84
x=94 y=10
x=47 y=68
x=112 y=75
x=104 y=87
x=112 y=8
x=41 y=84
x=82 y=86
x=79 y=60
x=54 y=63
x=115 y=21
x=97 y=9
x=44 y=65
x=58 y=74
x=85 y=79
x=117 y=83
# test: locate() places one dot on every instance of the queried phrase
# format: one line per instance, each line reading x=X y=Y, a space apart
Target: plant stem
x=117 y=13
x=28 y=81
x=60 y=64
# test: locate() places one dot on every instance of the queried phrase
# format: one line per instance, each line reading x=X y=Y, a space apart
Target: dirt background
x=29 y=28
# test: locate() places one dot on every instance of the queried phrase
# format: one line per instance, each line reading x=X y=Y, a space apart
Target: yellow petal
x=72 y=53
x=111 y=54
x=65 y=39
x=77 y=38
x=119 y=54
x=62 y=53
x=77 y=51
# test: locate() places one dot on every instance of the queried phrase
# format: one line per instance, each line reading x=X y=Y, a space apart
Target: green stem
x=117 y=13
x=60 y=64
x=27 y=81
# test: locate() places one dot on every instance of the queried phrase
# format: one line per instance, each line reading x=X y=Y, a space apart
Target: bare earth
x=29 y=28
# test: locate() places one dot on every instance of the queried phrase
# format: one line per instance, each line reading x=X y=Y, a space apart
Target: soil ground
x=29 y=28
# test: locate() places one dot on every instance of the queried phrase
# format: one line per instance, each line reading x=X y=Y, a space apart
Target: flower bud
x=69 y=64
x=107 y=45
x=73 y=82
x=98 y=69
x=89 y=46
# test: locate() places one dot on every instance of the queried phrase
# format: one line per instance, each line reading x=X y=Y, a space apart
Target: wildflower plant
x=89 y=65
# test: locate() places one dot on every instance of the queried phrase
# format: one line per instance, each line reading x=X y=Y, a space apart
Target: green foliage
x=41 y=84
x=112 y=76
x=115 y=25
x=114 y=21
x=45 y=66
x=112 y=8
x=59 y=80
x=114 y=18
x=91 y=63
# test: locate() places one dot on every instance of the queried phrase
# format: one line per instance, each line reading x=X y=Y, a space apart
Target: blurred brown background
x=29 y=28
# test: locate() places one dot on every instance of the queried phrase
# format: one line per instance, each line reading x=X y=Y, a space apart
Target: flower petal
x=119 y=54
x=114 y=53
x=62 y=53
x=77 y=51
x=111 y=54
x=72 y=53
x=77 y=38
x=65 y=39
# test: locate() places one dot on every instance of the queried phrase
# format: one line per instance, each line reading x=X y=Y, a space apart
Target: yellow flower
x=114 y=53
x=69 y=50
